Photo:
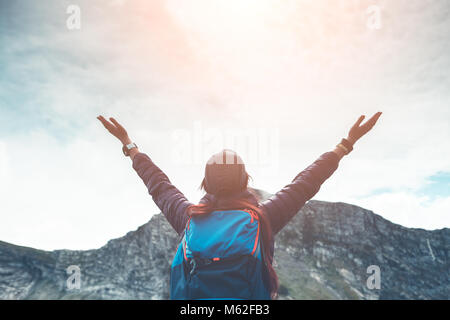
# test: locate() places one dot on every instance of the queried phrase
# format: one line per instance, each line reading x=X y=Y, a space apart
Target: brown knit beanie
x=225 y=174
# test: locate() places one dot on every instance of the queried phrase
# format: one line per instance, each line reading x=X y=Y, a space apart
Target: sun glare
x=214 y=16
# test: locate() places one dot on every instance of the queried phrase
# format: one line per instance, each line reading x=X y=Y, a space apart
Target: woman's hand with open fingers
x=115 y=129
x=358 y=130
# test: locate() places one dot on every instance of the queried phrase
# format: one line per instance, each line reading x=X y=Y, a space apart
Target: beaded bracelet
x=345 y=145
x=340 y=145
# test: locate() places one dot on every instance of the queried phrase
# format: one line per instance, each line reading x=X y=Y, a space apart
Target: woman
x=227 y=244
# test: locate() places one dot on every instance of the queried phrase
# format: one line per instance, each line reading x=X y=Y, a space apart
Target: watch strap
x=345 y=145
x=127 y=147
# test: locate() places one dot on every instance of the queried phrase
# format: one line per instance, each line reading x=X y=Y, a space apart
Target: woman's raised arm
x=285 y=204
x=171 y=201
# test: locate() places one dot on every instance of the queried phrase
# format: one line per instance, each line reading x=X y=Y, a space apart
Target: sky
x=280 y=82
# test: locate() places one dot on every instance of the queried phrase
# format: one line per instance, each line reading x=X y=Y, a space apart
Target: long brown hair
x=266 y=232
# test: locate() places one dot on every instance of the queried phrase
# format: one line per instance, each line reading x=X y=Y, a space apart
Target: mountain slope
x=323 y=253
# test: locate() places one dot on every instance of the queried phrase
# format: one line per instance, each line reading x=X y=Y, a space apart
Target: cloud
x=4 y=167
x=410 y=210
x=303 y=69
x=79 y=194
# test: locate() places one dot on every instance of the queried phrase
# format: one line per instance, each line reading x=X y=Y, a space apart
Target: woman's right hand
x=115 y=129
x=357 y=131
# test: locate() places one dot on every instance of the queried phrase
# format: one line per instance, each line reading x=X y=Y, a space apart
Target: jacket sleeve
x=285 y=204
x=167 y=197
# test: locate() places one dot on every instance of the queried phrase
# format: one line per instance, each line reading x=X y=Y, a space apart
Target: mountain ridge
x=323 y=253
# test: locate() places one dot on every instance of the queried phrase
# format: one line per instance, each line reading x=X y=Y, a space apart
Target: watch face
x=128 y=147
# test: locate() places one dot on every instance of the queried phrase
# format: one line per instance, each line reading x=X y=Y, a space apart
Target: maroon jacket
x=280 y=208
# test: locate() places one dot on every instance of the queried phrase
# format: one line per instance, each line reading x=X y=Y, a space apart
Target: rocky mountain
x=328 y=251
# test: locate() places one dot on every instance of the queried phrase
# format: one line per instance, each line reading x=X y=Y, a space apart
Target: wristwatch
x=127 y=147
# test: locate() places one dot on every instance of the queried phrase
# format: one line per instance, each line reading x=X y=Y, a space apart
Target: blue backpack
x=220 y=257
